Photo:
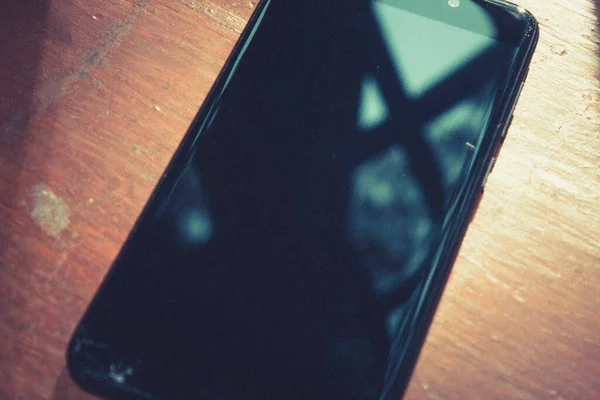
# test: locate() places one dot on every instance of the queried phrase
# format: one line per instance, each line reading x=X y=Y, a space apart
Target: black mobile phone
x=298 y=243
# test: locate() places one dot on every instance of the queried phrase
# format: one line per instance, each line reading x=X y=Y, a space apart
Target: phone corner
x=530 y=22
x=74 y=365
x=79 y=362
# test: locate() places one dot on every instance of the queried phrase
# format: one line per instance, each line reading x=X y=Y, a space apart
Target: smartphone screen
x=285 y=248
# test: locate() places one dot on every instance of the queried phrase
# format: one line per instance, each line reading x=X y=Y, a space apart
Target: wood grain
x=95 y=96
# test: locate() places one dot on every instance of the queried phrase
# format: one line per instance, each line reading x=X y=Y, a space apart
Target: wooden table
x=96 y=95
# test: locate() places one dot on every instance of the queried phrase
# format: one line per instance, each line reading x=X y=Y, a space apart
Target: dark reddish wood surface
x=96 y=95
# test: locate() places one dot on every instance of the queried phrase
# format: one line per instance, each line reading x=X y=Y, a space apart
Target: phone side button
x=487 y=174
x=510 y=120
x=513 y=107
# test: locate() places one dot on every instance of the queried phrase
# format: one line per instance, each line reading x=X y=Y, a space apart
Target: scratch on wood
x=492 y=278
x=64 y=256
x=545 y=271
x=219 y=15
x=48 y=94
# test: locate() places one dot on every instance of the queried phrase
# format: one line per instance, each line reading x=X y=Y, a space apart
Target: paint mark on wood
x=49 y=212
x=138 y=150
x=559 y=50
x=517 y=297
x=149 y=177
